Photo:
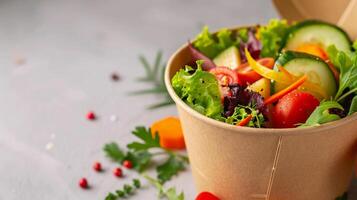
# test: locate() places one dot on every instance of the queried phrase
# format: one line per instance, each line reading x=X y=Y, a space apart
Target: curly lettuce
x=211 y=45
x=200 y=90
x=271 y=37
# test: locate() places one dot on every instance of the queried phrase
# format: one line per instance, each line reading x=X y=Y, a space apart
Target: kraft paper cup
x=241 y=163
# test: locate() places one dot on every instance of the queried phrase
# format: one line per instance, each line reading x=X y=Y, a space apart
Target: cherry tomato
x=225 y=76
x=247 y=75
x=293 y=109
x=206 y=196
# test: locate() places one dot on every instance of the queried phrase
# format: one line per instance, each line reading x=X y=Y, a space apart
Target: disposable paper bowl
x=241 y=163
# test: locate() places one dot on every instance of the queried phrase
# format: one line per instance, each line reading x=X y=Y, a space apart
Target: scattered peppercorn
x=83 y=183
x=118 y=172
x=128 y=164
x=91 y=116
x=97 y=166
x=115 y=77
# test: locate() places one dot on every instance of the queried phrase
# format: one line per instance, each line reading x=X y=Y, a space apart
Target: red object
x=128 y=164
x=97 y=166
x=118 y=172
x=247 y=75
x=225 y=76
x=206 y=196
x=245 y=121
x=91 y=116
x=293 y=109
x=83 y=183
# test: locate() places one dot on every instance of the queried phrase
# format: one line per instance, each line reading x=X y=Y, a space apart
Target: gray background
x=70 y=48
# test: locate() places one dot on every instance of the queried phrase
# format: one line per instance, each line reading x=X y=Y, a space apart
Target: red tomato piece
x=225 y=75
x=293 y=108
x=206 y=196
x=247 y=75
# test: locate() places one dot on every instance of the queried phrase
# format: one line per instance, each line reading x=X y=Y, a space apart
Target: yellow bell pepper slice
x=281 y=77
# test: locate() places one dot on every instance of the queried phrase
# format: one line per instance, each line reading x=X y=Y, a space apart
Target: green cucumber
x=228 y=58
x=316 y=69
x=316 y=32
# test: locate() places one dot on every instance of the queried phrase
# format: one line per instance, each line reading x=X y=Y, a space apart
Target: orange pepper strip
x=285 y=91
x=286 y=72
x=170 y=133
x=245 y=121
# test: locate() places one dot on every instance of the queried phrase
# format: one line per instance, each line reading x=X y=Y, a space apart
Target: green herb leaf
x=354 y=45
x=170 y=168
x=114 y=152
x=140 y=159
x=148 y=140
x=353 y=107
x=322 y=115
x=172 y=194
x=111 y=196
x=155 y=76
x=243 y=34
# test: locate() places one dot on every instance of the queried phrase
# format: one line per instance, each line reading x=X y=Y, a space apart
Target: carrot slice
x=283 y=92
x=245 y=121
x=286 y=72
x=170 y=133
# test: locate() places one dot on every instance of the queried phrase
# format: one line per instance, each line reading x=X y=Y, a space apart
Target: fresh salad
x=279 y=75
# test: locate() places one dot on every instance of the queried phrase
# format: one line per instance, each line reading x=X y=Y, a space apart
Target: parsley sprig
x=141 y=154
x=169 y=194
x=154 y=74
x=126 y=191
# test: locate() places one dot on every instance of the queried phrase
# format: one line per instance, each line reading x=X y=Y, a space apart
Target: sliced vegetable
x=248 y=76
x=170 y=133
x=228 y=58
x=282 y=78
x=322 y=114
x=319 y=33
x=317 y=71
x=313 y=49
x=199 y=90
x=285 y=91
x=262 y=86
x=293 y=109
x=245 y=121
x=225 y=76
x=206 y=196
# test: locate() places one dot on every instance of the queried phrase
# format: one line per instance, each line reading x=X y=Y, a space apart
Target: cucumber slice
x=228 y=58
x=317 y=32
x=315 y=68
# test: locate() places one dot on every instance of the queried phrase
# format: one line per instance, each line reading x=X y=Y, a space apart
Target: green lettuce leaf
x=211 y=45
x=271 y=36
x=322 y=114
x=199 y=90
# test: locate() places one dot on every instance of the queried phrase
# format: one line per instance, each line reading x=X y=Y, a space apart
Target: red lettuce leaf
x=253 y=45
x=197 y=55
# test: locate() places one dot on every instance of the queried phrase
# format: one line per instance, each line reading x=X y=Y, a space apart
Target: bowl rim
x=247 y=130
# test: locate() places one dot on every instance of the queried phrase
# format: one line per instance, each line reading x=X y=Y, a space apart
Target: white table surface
x=70 y=49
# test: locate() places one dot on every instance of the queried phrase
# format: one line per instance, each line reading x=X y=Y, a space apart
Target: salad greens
x=271 y=36
x=221 y=86
x=241 y=112
x=322 y=114
x=211 y=45
x=200 y=90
